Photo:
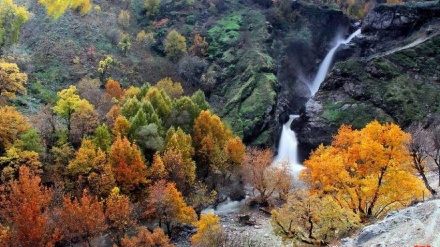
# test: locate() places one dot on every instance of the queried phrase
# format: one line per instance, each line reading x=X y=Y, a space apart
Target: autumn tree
x=124 y=18
x=11 y=80
x=217 y=151
x=419 y=149
x=113 y=89
x=178 y=160
x=12 y=125
x=157 y=170
x=67 y=104
x=25 y=208
x=173 y=163
x=175 y=45
x=312 y=219
x=118 y=215
x=125 y=44
x=81 y=219
x=263 y=177
x=146 y=39
x=84 y=121
x=14 y=158
x=112 y=114
x=209 y=232
x=101 y=178
x=200 y=197
x=57 y=8
x=152 y=7
x=368 y=171
x=145 y=238
x=12 y=17
x=103 y=67
x=61 y=154
x=128 y=166
x=173 y=89
x=166 y=204
x=199 y=46
x=89 y=166
x=84 y=159
x=121 y=126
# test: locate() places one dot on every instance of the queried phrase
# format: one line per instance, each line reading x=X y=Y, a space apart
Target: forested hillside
x=121 y=122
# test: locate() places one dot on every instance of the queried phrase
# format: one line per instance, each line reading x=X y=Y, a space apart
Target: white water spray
x=288 y=147
x=226 y=207
x=325 y=65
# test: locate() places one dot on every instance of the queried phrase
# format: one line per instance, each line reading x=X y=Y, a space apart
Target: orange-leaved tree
x=166 y=204
x=145 y=238
x=24 y=207
x=81 y=219
x=118 y=212
x=113 y=89
x=368 y=171
x=264 y=178
x=217 y=151
x=128 y=166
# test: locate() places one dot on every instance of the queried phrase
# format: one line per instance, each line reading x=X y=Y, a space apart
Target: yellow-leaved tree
x=11 y=80
x=175 y=45
x=209 y=232
x=312 y=219
x=12 y=17
x=56 y=8
x=368 y=171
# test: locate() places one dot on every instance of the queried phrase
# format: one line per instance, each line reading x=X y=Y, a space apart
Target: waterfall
x=325 y=65
x=288 y=146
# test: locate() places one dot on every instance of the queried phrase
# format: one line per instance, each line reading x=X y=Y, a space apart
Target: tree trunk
x=439 y=177
x=425 y=180
x=168 y=229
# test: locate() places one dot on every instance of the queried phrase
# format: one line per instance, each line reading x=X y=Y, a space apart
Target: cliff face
x=261 y=77
x=389 y=73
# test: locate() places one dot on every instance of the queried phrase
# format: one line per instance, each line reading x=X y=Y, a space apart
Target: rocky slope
x=260 y=56
x=389 y=73
x=416 y=225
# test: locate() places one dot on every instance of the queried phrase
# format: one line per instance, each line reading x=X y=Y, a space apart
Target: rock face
x=416 y=225
x=259 y=86
x=392 y=74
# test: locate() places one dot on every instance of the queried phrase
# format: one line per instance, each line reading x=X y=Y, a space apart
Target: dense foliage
x=95 y=150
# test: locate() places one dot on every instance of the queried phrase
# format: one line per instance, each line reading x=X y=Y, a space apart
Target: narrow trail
x=410 y=45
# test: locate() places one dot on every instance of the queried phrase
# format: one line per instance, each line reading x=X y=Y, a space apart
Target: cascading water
x=325 y=65
x=288 y=147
